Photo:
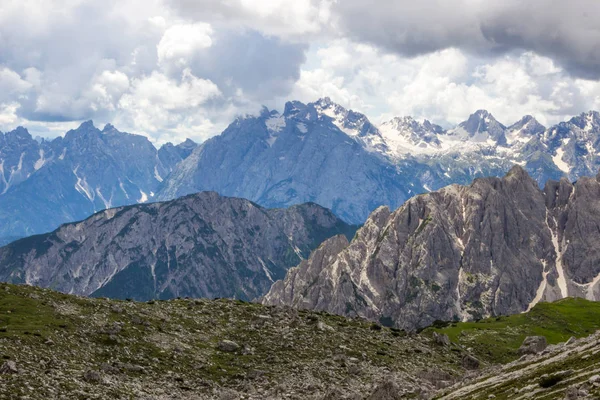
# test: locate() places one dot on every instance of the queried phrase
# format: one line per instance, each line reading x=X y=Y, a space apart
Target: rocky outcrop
x=498 y=246
x=202 y=245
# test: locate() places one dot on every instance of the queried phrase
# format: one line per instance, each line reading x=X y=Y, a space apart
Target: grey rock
x=388 y=390
x=533 y=345
x=9 y=367
x=469 y=362
x=441 y=338
x=228 y=346
x=92 y=376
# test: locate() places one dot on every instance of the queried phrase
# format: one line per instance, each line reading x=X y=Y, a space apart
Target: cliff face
x=498 y=246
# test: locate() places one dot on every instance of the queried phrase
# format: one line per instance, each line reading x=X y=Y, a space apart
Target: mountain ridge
x=201 y=245
x=495 y=247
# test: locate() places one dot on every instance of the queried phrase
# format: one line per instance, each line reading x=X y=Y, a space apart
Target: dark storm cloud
x=566 y=31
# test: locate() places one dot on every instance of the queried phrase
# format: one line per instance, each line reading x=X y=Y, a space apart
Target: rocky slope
x=564 y=363
x=495 y=247
x=202 y=245
x=71 y=177
x=56 y=345
x=61 y=346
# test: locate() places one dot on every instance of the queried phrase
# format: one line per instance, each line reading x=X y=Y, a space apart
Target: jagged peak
x=518 y=172
x=108 y=127
x=477 y=117
x=187 y=143
x=528 y=124
x=19 y=133
x=294 y=107
x=89 y=124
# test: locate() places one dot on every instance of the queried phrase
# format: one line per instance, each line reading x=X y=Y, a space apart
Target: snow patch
x=107 y=203
x=143 y=198
x=123 y=189
x=275 y=124
x=63 y=154
x=265 y=269
x=82 y=187
x=541 y=289
x=157 y=175
x=40 y=162
x=558 y=160
x=562 y=280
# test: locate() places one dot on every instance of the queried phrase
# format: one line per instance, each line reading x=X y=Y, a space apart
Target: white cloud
x=180 y=42
x=157 y=102
x=445 y=86
x=106 y=90
x=8 y=114
x=12 y=86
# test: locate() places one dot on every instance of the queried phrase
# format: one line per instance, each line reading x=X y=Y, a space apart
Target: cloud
x=180 y=42
x=445 y=86
x=566 y=32
x=12 y=85
x=157 y=102
x=168 y=68
x=272 y=17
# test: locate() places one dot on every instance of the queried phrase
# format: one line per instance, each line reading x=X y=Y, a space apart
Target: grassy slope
x=497 y=340
x=173 y=346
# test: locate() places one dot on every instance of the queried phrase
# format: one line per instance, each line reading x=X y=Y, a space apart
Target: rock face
x=298 y=156
x=498 y=246
x=71 y=177
x=202 y=245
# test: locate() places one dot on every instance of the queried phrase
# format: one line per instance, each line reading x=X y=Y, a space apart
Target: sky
x=173 y=69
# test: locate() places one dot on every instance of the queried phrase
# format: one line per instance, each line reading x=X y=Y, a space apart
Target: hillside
x=54 y=344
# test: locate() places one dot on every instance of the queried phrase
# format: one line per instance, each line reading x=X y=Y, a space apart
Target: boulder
x=533 y=345
x=9 y=367
x=470 y=362
x=228 y=346
x=441 y=338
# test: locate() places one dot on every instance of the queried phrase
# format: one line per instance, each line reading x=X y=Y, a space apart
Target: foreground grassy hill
x=497 y=340
x=569 y=368
x=60 y=346
x=77 y=347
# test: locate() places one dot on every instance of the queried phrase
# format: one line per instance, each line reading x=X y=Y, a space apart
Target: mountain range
x=318 y=152
x=46 y=183
x=335 y=157
x=201 y=245
x=498 y=246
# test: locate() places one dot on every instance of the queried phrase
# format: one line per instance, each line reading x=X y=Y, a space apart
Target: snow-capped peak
x=406 y=135
x=481 y=127
x=523 y=130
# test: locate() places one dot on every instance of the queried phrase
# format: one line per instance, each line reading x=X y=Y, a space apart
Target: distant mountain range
x=46 y=183
x=202 y=245
x=318 y=152
x=496 y=247
x=335 y=157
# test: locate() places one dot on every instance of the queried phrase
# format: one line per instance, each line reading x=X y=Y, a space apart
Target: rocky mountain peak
x=495 y=247
x=19 y=134
x=85 y=129
x=480 y=127
x=405 y=134
x=108 y=128
x=588 y=121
